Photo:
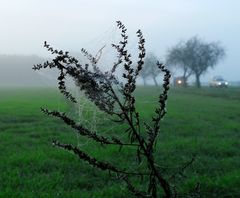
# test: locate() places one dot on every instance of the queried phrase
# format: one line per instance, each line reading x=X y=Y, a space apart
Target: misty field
x=202 y=122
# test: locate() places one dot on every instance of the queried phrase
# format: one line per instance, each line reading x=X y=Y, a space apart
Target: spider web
x=85 y=112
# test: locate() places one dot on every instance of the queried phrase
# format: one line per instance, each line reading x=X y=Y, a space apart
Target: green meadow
x=204 y=123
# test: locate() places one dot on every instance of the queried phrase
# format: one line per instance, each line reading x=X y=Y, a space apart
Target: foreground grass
x=205 y=123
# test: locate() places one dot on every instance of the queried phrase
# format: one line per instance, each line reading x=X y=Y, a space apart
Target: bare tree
x=195 y=56
x=178 y=57
x=144 y=75
x=150 y=69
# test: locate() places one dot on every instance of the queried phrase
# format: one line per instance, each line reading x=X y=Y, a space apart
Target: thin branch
x=85 y=132
x=93 y=161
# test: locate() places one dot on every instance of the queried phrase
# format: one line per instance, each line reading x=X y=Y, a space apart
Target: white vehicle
x=218 y=81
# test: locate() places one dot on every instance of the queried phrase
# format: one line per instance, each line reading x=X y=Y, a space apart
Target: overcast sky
x=72 y=24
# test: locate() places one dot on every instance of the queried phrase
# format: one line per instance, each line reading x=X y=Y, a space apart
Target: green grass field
x=204 y=122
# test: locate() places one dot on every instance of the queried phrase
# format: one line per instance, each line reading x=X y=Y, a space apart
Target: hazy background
x=73 y=24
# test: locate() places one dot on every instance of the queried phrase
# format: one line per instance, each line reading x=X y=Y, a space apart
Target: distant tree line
x=193 y=57
x=15 y=70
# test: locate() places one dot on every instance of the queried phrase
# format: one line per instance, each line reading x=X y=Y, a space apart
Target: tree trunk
x=186 y=75
x=198 y=83
x=144 y=81
x=185 y=81
x=155 y=81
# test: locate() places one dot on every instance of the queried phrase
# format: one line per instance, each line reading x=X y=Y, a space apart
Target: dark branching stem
x=101 y=89
x=160 y=111
x=148 y=155
x=148 y=148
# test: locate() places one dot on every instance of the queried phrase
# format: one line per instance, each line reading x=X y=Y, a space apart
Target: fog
x=73 y=24
x=16 y=70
